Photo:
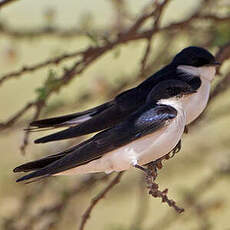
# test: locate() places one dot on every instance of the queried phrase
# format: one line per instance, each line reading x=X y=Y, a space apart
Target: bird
x=147 y=134
x=195 y=66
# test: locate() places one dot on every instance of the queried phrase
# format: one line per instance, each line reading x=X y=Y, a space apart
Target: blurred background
x=121 y=42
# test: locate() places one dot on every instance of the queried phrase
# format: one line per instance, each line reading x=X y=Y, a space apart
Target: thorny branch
x=191 y=198
x=32 y=68
x=39 y=105
x=124 y=37
x=154 y=187
x=54 y=211
x=59 y=207
x=46 y=31
x=73 y=32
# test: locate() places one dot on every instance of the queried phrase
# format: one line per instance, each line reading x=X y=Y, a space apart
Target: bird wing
x=108 y=116
x=149 y=118
x=111 y=113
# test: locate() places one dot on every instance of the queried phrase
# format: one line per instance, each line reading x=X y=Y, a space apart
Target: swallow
x=193 y=65
x=147 y=134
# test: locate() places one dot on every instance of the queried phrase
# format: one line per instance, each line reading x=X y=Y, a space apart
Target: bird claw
x=151 y=169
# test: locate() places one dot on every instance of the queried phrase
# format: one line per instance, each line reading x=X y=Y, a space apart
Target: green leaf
x=50 y=84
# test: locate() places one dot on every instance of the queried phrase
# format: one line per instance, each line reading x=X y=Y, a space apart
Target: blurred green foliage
x=221 y=34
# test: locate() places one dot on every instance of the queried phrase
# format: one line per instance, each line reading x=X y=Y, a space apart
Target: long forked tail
x=43 y=162
x=67 y=120
x=52 y=164
x=38 y=164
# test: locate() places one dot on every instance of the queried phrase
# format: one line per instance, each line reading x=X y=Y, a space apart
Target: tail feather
x=38 y=164
x=105 y=119
x=37 y=168
x=64 y=134
x=38 y=175
x=43 y=162
x=41 y=168
x=60 y=121
x=70 y=119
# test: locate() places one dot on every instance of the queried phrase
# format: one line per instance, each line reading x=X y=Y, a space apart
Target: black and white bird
x=147 y=134
x=193 y=65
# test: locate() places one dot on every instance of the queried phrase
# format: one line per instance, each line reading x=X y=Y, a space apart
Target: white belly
x=195 y=104
x=140 y=151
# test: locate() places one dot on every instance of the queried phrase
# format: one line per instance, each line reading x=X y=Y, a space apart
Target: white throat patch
x=207 y=72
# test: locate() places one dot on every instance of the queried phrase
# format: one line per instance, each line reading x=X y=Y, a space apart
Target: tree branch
x=32 y=68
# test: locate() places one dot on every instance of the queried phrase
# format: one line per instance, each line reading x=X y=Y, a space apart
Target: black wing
x=70 y=119
x=113 y=112
x=169 y=88
x=147 y=119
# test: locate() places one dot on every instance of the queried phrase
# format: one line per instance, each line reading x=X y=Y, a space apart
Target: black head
x=194 y=56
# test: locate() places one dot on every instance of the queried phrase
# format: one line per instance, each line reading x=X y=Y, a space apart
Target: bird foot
x=151 y=169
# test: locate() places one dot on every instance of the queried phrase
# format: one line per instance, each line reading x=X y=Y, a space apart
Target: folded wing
x=149 y=118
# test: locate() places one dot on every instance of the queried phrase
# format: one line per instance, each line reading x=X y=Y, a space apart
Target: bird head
x=195 y=56
x=196 y=61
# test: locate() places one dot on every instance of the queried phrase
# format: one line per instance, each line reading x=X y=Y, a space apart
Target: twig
x=32 y=68
x=157 y=16
x=179 y=25
x=77 y=68
x=40 y=32
x=154 y=187
x=97 y=198
x=55 y=210
x=146 y=55
x=223 y=53
x=129 y=35
x=39 y=106
x=12 y=120
x=190 y=199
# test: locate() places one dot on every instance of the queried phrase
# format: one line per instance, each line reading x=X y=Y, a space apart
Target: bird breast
x=195 y=104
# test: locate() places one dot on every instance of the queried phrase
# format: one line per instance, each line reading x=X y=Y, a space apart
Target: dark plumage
x=111 y=113
x=149 y=118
